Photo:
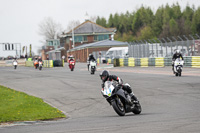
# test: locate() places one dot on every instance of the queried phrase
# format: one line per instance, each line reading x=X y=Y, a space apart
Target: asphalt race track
x=169 y=103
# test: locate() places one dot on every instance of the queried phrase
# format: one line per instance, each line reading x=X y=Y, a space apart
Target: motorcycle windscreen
x=178 y=62
x=92 y=63
x=108 y=88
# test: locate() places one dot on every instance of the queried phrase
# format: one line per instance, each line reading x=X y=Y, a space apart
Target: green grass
x=18 y=106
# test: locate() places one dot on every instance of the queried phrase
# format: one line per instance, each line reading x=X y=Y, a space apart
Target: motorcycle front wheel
x=118 y=106
x=137 y=109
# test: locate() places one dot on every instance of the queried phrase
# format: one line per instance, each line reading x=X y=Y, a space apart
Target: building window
x=85 y=38
x=8 y=46
x=80 y=38
x=12 y=46
x=101 y=37
x=5 y=46
x=95 y=38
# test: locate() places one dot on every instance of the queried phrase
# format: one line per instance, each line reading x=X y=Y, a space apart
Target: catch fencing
x=151 y=48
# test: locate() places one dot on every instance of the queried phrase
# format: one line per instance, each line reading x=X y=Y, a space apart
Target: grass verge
x=18 y=106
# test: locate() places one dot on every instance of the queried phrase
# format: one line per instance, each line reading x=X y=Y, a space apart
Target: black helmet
x=104 y=75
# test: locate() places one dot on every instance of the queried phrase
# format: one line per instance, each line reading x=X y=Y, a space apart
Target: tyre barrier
x=131 y=62
x=159 y=62
x=195 y=62
x=46 y=63
x=144 y=62
x=189 y=61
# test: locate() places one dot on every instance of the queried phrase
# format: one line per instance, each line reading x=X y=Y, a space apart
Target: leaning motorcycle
x=40 y=65
x=178 y=66
x=119 y=99
x=15 y=64
x=36 y=64
x=71 y=65
x=92 y=67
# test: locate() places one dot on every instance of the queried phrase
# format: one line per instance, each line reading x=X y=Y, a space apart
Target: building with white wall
x=10 y=49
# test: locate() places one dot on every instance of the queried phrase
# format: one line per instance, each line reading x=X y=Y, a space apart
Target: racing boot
x=134 y=98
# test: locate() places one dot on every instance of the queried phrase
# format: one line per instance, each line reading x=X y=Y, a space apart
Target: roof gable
x=104 y=43
x=90 y=27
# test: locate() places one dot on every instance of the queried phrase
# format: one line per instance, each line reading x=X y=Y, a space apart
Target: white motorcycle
x=15 y=64
x=178 y=67
x=40 y=65
x=119 y=99
x=92 y=67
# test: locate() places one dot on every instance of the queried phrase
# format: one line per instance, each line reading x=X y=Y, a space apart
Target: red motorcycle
x=71 y=64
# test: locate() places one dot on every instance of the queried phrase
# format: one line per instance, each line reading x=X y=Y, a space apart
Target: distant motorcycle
x=15 y=64
x=178 y=67
x=71 y=64
x=40 y=65
x=119 y=99
x=92 y=67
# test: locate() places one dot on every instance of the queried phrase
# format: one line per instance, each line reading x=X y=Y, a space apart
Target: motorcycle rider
x=70 y=58
x=176 y=55
x=105 y=76
x=40 y=59
x=90 y=58
x=14 y=59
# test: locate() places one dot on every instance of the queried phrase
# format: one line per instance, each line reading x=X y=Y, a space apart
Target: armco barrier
x=196 y=61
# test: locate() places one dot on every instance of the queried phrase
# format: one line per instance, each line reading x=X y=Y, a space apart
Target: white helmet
x=178 y=51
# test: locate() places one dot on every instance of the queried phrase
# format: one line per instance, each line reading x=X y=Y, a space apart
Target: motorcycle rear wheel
x=118 y=107
x=179 y=74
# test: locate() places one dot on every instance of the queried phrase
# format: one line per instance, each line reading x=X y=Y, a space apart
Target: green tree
x=196 y=22
x=101 y=21
x=187 y=18
x=146 y=33
x=176 y=11
x=143 y=17
x=110 y=21
x=157 y=22
x=173 y=28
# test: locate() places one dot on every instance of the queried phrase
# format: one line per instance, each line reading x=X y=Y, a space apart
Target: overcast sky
x=19 y=19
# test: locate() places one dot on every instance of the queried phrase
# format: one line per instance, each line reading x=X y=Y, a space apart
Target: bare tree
x=72 y=24
x=49 y=29
x=93 y=19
